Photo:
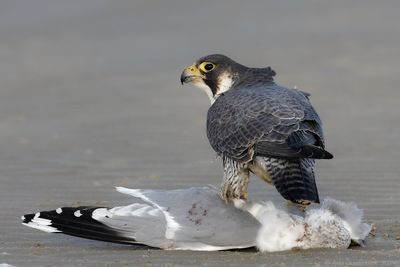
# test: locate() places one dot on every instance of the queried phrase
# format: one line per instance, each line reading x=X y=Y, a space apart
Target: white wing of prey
x=197 y=219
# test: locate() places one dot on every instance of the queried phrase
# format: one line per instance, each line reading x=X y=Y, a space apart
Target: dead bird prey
x=197 y=219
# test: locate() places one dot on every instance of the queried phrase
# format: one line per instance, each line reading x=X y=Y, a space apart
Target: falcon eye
x=207 y=66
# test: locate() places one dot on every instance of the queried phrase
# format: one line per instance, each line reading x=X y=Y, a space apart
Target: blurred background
x=90 y=98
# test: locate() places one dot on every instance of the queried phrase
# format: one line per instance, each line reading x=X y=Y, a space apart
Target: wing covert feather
x=243 y=117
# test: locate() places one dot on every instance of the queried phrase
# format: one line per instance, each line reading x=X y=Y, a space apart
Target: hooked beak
x=190 y=74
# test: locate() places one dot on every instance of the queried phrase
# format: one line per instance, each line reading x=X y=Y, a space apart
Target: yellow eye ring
x=207 y=66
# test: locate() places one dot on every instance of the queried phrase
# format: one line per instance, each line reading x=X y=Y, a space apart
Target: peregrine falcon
x=258 y=126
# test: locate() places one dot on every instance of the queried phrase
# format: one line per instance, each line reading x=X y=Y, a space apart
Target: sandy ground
x=90 y=98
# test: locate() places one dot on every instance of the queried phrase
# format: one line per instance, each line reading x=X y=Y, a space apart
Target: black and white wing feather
x=193 y=218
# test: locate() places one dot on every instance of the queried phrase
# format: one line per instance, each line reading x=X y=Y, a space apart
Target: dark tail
x=296 y=182
x=293 y=178
x=76 y=222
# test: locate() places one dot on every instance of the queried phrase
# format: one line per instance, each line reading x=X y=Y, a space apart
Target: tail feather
x=78 y=222
x=293 y=178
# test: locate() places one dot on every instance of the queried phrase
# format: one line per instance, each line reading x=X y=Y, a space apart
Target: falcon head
x=216 y=74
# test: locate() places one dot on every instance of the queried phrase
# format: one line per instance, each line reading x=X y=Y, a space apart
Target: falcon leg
x=236 y=180
x=258 y=167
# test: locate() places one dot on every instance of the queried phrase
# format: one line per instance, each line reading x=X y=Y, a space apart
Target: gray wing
x=194 y=218
x=272 y=120
x=197 y=219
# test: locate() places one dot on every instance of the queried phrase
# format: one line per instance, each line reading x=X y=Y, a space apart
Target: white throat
x=225 y=82
x=208 y=91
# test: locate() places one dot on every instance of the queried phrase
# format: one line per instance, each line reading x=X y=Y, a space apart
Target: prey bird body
x=258 y=126
x=197 y=219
